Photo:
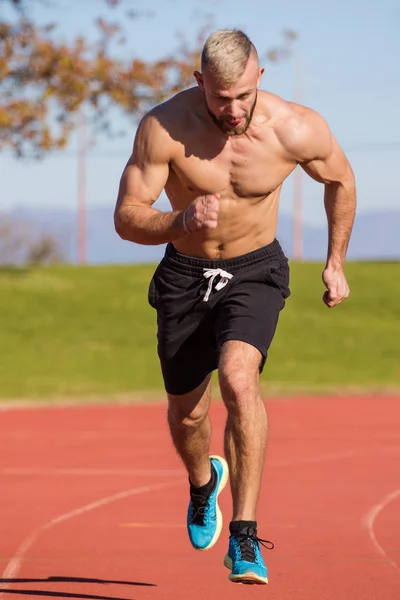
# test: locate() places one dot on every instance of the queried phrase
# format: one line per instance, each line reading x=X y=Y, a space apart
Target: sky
x=345 y=65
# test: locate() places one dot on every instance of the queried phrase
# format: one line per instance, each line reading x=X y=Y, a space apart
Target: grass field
x=88 y=331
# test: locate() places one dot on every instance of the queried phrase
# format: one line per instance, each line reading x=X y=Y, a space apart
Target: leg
x=246 y=427
x=191 y=430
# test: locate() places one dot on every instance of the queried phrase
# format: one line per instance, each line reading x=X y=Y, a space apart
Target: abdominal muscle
x=244 y=225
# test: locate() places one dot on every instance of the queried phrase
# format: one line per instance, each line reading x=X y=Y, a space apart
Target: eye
x=243 y=96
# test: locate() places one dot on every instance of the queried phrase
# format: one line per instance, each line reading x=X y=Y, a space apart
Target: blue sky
x=349 y=56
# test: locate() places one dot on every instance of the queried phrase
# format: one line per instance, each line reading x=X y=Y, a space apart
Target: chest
x=245 y=167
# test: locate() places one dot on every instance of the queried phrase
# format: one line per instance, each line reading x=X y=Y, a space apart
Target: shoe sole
x=222 y=484
x=246 y=578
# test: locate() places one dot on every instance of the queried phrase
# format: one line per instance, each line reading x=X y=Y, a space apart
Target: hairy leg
x=190 y=428
x=246 y=427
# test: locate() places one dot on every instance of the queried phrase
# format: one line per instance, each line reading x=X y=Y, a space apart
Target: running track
x=93 y=503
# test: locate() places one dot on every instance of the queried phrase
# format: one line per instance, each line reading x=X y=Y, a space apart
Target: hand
x=202 y=213
x=337 y=286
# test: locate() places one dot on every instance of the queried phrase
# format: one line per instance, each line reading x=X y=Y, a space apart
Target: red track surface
x=93 y=504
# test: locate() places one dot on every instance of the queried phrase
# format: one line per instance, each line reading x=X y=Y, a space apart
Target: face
x=231 y=107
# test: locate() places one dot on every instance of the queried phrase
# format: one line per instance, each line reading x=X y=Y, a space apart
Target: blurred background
x=75 y=78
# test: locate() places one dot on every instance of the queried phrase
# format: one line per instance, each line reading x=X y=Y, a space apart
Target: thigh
x=185 y=333
x=180 y=311
x=235 y=356
x=250 y=316
x=239 y=363
x=192 y=361
x=250 y=312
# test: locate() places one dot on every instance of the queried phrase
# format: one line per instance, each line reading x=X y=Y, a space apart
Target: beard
x=222 y=125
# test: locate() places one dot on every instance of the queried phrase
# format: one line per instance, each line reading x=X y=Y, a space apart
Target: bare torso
x=247 y=171
x=225 y=190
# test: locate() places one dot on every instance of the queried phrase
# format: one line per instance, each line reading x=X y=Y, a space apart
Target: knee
x=186 y=418
x=238 y=387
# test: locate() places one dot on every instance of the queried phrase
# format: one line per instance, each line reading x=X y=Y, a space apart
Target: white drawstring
x=211 y=274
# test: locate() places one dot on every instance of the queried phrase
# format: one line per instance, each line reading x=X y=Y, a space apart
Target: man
x=221 y=151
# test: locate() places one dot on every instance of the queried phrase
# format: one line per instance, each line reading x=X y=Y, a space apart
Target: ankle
x=206 y=489
x=243 y=527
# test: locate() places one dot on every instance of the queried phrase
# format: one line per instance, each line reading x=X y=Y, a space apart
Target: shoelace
x=212 y=274
x=199 y=506
x=246 y=545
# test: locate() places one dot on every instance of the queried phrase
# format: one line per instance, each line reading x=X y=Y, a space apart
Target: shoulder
x=161 y=127
x=170 y=114
x=302 y=131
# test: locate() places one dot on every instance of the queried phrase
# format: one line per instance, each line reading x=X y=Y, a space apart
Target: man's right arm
x=142 y=182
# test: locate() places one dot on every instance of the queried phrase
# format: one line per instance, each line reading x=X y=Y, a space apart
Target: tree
x=45 y=84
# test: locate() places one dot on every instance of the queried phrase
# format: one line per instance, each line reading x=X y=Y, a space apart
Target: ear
x=260 y=74
x=199 y=79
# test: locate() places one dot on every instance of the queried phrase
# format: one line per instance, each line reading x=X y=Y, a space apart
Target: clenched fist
x=202 y=213
x=337 y=286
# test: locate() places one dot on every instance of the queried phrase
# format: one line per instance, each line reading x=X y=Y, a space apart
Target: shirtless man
x=221 y=150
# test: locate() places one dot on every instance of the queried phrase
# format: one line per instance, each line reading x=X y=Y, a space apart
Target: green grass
x=88 y=331
x=355 y=345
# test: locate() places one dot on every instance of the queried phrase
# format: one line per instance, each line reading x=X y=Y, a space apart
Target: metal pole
x=82 y=217
x=298 y=175
x=298 y=214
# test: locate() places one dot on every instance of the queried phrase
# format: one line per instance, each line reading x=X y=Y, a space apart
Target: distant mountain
x=375 y=236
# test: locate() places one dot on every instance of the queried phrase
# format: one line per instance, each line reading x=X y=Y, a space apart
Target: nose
x=233 y=109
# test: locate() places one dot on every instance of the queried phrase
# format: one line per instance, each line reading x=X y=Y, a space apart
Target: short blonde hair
x=226 y=53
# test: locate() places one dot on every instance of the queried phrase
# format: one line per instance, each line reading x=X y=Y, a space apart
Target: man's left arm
x=327 y=164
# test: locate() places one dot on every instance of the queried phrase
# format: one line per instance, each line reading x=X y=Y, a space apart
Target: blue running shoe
x=204 y=518
x=244 y=558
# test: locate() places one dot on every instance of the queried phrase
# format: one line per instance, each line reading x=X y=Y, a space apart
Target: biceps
x=335 y=168
x=141 y=186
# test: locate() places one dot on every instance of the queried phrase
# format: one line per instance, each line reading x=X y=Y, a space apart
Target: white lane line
x=11 y=471
x=369 y=519
x=13 y=567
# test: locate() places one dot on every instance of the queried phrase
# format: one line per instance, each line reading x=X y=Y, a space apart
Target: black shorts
x=203 y=303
